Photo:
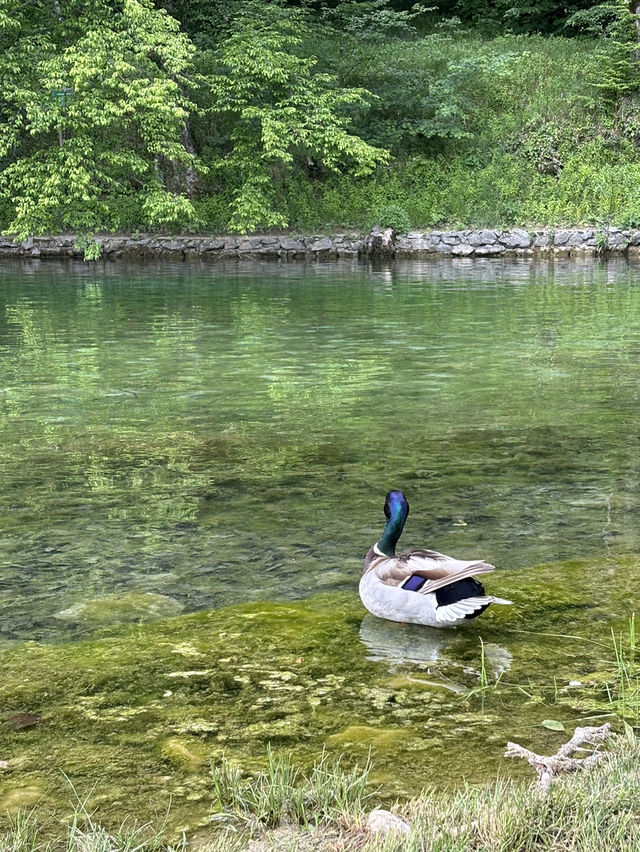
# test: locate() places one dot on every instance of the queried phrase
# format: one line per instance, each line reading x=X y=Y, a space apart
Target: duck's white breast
x=396 y=604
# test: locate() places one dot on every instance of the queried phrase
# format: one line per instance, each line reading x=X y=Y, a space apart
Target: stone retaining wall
x=378 y=243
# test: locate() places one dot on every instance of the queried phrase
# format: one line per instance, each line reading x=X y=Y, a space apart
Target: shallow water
x=223 y=434
x=180 y=438
x=133 y=719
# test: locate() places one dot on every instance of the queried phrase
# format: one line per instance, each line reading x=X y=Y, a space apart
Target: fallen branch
x=561 y=761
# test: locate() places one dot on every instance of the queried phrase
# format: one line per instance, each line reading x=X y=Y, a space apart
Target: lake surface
x=215 y=443
x=211 y=435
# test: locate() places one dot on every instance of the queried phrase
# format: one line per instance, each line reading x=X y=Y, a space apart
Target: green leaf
x=552 y=725
x=279 y=110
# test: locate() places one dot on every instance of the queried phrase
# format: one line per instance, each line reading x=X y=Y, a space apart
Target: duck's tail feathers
x=472 y=570
x=452 y=613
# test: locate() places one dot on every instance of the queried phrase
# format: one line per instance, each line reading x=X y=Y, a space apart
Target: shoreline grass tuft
x=283 y=793
x=283 y=809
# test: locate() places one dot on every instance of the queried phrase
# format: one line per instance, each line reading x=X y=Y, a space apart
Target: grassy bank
x=283 y=810
x=483 y=132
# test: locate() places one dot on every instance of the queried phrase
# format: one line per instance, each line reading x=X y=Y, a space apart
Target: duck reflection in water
x=402 y=643
x=411 y=644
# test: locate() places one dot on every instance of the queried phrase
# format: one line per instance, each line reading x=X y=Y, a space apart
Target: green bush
x=214 y=212
x=486 y=132
x=394 y=216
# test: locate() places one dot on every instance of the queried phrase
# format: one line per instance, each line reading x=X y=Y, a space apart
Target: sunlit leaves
x=279 y=109
x=93 y=116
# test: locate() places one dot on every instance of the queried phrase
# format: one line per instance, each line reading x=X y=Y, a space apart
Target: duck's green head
x=396 y=509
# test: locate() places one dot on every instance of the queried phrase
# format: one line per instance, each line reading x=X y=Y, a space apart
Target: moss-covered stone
x=20 y=798
x=183 y=753
x=369 y=736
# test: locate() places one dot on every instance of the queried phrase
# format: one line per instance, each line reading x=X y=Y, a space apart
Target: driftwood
x=561 y=761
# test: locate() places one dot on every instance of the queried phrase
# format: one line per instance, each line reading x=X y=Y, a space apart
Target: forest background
x=245 y=115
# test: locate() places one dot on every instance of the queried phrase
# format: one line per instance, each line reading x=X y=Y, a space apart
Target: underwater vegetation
x=133 y=720
x=326 y=809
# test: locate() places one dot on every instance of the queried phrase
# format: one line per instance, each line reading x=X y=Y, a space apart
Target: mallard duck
x=420 y=586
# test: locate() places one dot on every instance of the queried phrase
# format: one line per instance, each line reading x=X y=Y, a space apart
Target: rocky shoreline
x=379 y=242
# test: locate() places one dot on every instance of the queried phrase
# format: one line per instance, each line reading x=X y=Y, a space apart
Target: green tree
x=280 y=111
x=617 y=22
x=494 y=17
x=92 y=115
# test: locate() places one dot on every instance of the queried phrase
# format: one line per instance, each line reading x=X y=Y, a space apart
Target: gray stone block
x=482 y=238
x=541 y=239
x=324 y=244
x=561 y=238
x=290 y=244
x=420 y=242
x=212 y=245
x=452 y=238
x=515 y=238
x=483 y=251
x=380 y=241
x=463 y=250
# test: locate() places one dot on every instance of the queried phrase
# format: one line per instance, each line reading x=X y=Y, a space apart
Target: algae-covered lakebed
x=193 y=463
x=133 y=720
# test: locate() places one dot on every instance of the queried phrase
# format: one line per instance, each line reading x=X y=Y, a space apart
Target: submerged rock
x=182 y=753
x=20 y=721
x=124 y=608
x=497 y=659
x=17 y=798
x=367 y=735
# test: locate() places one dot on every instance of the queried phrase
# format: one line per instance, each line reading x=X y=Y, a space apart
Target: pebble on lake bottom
x=20 y=721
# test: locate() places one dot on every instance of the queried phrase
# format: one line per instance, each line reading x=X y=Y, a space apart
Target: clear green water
x=218 y=436
x=178 y=439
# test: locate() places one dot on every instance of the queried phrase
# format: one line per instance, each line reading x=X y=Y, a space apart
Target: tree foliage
x=617 y=71
x=97 y=96
x=91 y=115
x=495 y=17
x=279 y=109
x=242 y=114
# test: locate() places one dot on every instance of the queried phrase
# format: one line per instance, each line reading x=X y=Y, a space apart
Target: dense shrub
x=514 y=129
x=394 y=216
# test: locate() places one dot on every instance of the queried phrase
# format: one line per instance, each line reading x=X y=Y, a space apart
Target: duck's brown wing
x=438 y=570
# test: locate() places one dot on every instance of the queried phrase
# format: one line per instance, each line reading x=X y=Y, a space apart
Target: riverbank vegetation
x=321 y=114
x=594 y=809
